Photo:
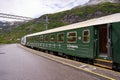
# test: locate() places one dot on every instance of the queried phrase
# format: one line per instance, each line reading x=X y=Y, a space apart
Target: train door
x=116 y=43
x=103 y=44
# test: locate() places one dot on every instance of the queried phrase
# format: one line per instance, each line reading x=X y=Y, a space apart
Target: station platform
x=104 y=74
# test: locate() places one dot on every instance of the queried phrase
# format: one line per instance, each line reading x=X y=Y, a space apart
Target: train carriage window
x=86 y=36
x=37 y=38
x=60 y=37
x=52 y=37
x=41 y=38
x=46 y=38
x=72 y=37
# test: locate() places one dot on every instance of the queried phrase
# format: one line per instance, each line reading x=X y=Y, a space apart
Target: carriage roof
x=96 y=21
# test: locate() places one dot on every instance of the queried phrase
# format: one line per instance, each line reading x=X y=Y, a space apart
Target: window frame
x=87 y=36
x=45 y=38
x=75 y=37
x=41 y=38
x=50 y=37
x=58 y=37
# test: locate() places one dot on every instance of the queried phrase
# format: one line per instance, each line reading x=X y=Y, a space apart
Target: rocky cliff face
x=96 y=10
x=93 y=2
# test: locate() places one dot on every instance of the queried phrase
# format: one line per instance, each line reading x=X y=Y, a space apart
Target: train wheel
x=90 y=61
x=115 y=66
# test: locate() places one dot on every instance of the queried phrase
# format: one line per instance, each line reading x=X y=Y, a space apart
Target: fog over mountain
x=5 y=25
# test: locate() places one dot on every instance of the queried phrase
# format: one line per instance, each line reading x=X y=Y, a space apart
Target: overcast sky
x=36 y=8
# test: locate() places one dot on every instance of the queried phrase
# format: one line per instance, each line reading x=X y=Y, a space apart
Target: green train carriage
x=96 y=39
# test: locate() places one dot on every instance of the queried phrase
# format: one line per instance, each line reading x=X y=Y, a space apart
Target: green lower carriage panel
x=84 y=51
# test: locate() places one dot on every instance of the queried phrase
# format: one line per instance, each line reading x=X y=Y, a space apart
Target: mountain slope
x=59 y=19
x=93 y=2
